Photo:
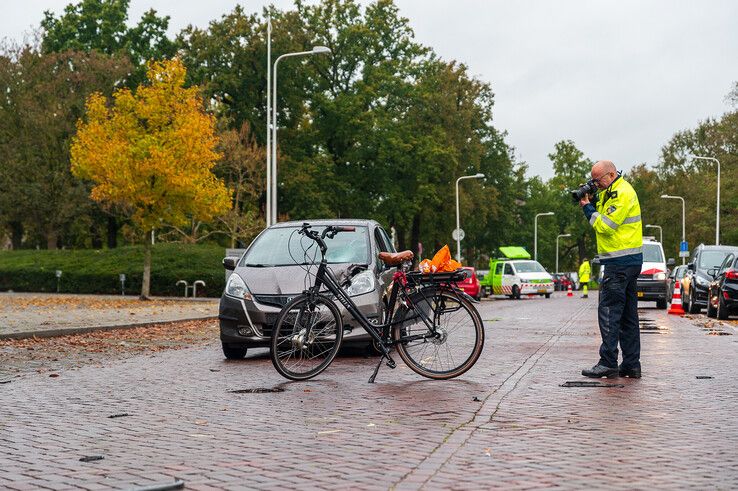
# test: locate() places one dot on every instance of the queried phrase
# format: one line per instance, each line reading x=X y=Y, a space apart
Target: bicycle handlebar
x=330 y=231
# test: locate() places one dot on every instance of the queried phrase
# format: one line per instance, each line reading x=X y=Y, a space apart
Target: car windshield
x=529 y=267
x=680 y=272
x=712 y=259
x=271 y=248
x=652 y=253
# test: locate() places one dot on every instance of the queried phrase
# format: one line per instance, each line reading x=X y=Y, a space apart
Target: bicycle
x=434 y=324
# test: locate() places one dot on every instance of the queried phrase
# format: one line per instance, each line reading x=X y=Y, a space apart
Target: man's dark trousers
x=618 y=316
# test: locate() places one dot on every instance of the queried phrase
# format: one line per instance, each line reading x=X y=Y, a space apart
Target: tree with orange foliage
x=150 y=155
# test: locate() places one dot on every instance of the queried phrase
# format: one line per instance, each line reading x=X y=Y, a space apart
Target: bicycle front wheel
x=306 y=337
x=451 y=346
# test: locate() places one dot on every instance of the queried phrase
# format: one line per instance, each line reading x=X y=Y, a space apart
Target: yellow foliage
x=150 y=154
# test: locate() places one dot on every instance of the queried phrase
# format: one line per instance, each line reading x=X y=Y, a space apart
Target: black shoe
x=634 y=372
x=599 y=371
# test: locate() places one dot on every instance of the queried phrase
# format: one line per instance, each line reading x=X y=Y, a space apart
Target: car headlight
x=361 y=283
x=236 y=287
x=659 y=276
x=701 y=281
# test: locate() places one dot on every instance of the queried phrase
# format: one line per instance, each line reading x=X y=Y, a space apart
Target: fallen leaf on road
x=201 y=422
x=327 y=432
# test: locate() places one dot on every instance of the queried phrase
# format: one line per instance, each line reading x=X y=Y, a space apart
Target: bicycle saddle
x=396 y=258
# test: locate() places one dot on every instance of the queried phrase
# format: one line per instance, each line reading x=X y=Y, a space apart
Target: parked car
x=676 y=274
x=276 y=266
x=696 y=281
x=471 y=285
x=723 y=290
x=652 y=283
x=562 y=281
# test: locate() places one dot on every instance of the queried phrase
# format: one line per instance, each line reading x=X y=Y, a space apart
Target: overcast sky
x=619 y=78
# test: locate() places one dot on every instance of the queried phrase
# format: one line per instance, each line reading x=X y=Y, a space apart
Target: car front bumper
x=536 y=288
x=649 y=290
x=249 y=323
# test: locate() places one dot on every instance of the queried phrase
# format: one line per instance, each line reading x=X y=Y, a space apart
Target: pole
x=557 y=249
x=315 y=50
x=268 y=207
x=458 y=222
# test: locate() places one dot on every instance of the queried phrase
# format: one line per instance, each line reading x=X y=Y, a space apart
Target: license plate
x=640 y=294
x=541 y=290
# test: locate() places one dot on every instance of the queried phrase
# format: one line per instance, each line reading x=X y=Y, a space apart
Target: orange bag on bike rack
x=440 y=263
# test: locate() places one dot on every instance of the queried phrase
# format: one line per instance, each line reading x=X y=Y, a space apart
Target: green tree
x=100 y=25
x=44 y=95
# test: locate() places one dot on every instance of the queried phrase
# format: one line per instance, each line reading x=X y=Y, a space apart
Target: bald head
x=603 y=167
x=604 y=173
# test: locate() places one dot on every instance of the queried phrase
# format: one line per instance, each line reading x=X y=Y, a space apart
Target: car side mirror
x=712 y=272
x=229 y=263
x=690 y=266
x=670 y=262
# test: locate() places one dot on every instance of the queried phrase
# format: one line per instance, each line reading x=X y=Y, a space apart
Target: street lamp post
x=684 y=236
x=717 y=213
x=535 y=233
x=661 y=232
x=269 y=129
x=458 y=223
x=314 y=51
x=557 y=249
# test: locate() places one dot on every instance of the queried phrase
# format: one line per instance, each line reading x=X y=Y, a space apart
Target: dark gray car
x=277 y=266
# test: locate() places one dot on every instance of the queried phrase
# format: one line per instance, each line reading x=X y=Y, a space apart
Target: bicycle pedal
x=391 y=363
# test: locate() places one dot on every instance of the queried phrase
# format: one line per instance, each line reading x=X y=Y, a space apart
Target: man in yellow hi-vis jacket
x=616 y=219
x=584 y=271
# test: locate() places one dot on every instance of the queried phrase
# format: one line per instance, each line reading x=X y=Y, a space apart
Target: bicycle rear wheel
x=306 y=337
x=458 y=340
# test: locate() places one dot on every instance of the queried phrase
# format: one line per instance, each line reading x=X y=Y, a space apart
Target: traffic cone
x=676 y=301
x=568 y=291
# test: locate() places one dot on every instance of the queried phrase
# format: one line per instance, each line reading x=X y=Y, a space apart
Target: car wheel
x=548 y=295
x=692 y=306
x=722 y=309
x=234 y=352
x=661 y=303
x=516 y=292
x=711 y=309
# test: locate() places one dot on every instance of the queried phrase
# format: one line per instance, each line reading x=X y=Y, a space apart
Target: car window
x=529 y=267
x=381 y=242
x=652 y=253
x=283 y=246
x=727 y=263
x=711 y=259
x=387 y=240
x=681 y=270
x=498 y=269
x=508 y=268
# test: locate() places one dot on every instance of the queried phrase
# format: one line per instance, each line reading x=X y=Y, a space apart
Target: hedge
x=97 y=271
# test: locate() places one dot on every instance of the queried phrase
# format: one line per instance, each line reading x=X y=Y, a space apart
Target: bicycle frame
x=325 y=276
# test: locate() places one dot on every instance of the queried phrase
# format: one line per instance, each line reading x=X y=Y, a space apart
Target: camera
x=589 y=187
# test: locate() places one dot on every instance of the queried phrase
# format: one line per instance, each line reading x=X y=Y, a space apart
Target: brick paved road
x=507 y=423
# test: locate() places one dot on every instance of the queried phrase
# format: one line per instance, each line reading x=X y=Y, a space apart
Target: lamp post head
x=665 y=196
x=321 y=50
x=479 y=175
x=565 y=235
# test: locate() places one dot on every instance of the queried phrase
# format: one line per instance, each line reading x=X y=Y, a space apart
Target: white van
x=653 y=282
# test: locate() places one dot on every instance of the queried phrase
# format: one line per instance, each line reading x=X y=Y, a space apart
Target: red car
x=471 y=286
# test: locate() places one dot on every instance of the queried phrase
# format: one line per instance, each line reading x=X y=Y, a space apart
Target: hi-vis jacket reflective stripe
x=584 y=271
x=617 y=221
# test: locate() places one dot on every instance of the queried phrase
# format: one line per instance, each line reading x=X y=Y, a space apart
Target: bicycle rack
x=192 y=287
